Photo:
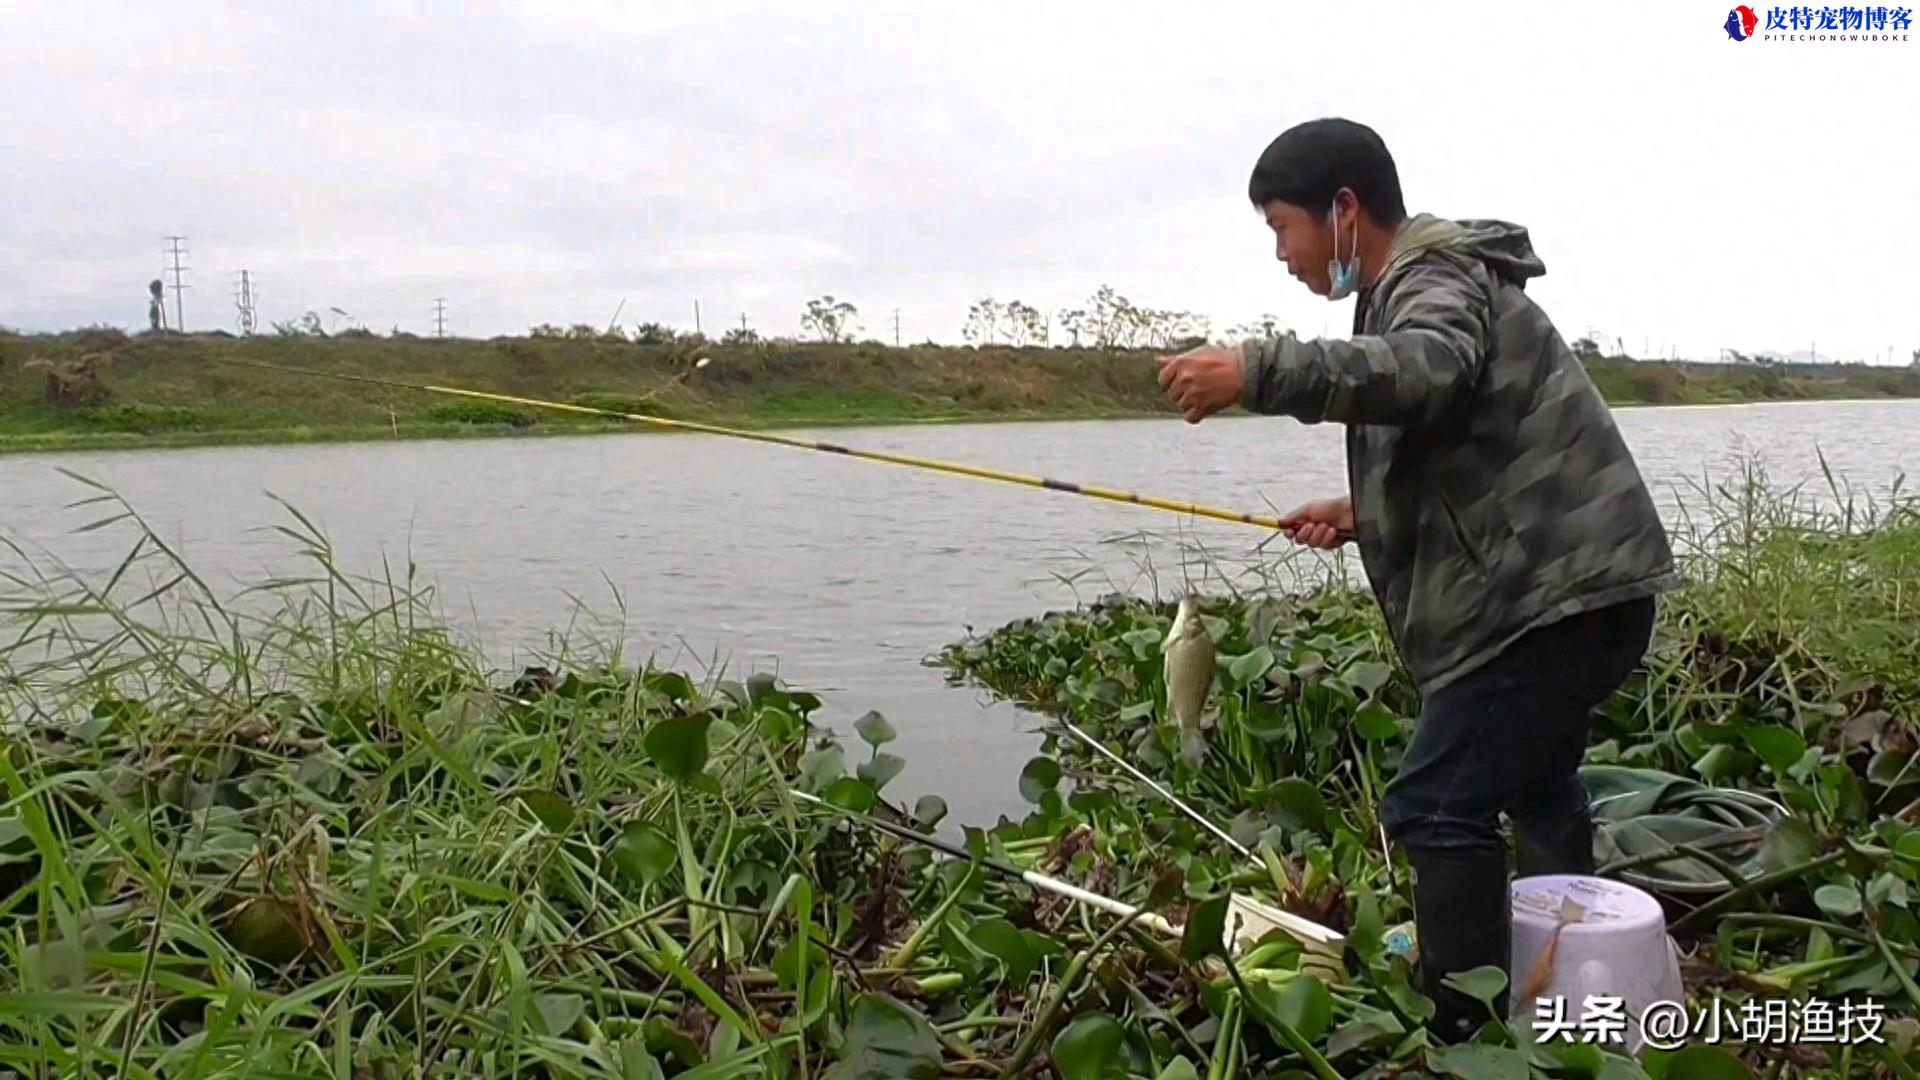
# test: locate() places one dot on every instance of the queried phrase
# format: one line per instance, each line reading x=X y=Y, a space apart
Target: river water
x=837 y=574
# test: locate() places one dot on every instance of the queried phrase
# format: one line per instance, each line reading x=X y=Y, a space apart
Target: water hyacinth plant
x=1786 y=669
x=305 y=830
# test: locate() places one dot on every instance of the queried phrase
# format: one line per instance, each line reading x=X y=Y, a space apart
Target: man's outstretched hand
x=1202 y=381
x=1322 y=523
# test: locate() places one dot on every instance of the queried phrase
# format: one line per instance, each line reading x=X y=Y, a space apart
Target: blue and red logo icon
x=1740 y=23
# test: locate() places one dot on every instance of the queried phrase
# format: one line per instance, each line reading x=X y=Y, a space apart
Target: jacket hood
x=1503 y=246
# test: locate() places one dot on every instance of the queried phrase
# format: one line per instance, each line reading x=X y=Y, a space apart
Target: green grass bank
x=101 y=388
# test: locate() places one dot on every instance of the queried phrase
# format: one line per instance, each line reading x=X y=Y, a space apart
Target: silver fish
x=1187 y=663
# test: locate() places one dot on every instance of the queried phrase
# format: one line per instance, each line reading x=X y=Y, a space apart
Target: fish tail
x=1193 y=746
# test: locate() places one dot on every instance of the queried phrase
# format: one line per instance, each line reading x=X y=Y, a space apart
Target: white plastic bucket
x=1614 y=962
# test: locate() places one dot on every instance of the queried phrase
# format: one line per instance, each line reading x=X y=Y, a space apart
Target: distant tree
x=740 y=335
x=1587 y=349
x=546 y=330
x=1117 y=322
x=156 y=306
x=1115 y=319
x=990 y=322
x=1265 y=326
x=829 y=319
x=983 y=322
x=1077 y=324
x=1024 y=324
x=582 y=332
x=652 y=333
x=1178 y=329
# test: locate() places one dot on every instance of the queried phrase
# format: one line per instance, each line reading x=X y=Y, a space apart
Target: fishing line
x=1031 y=877
x=975 y=471
x=1248 y=920
x=1299 y=926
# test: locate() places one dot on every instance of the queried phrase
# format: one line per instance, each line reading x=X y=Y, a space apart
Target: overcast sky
x=1686 y=191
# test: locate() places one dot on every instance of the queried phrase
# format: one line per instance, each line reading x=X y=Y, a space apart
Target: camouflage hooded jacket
x=1491 y=491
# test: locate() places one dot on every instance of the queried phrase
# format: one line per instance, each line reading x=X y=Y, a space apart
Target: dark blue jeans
x=1510 y=736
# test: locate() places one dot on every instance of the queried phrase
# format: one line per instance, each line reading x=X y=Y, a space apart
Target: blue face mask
x=1345 y=276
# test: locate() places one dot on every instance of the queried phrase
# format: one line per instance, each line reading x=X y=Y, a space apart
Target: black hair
x=1309 y=162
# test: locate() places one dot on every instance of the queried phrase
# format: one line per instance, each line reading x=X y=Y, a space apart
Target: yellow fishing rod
x=975 y=471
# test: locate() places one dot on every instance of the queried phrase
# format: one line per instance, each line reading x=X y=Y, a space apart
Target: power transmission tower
x=244 y=300
x=896 y=328
x=696 y=316
x=440 y=316
x=174 y=249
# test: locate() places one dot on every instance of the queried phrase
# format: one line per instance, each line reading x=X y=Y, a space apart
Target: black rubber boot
x=1463 y=919
x=1561 y=844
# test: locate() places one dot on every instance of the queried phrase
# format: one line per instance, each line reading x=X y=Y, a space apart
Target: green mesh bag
x=1640 y=812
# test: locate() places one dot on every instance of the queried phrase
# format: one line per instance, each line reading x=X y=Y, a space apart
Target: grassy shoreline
x=92 y=441
x=320 y=837
x=46 y=442
x=102 y=390
x=89 y=441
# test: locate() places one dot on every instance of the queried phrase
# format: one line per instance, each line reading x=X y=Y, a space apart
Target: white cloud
x=539 y=163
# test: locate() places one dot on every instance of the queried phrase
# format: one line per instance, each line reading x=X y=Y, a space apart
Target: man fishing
x=1503 y=524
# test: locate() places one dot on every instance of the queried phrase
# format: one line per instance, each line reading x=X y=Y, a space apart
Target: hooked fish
x=1187 y=663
